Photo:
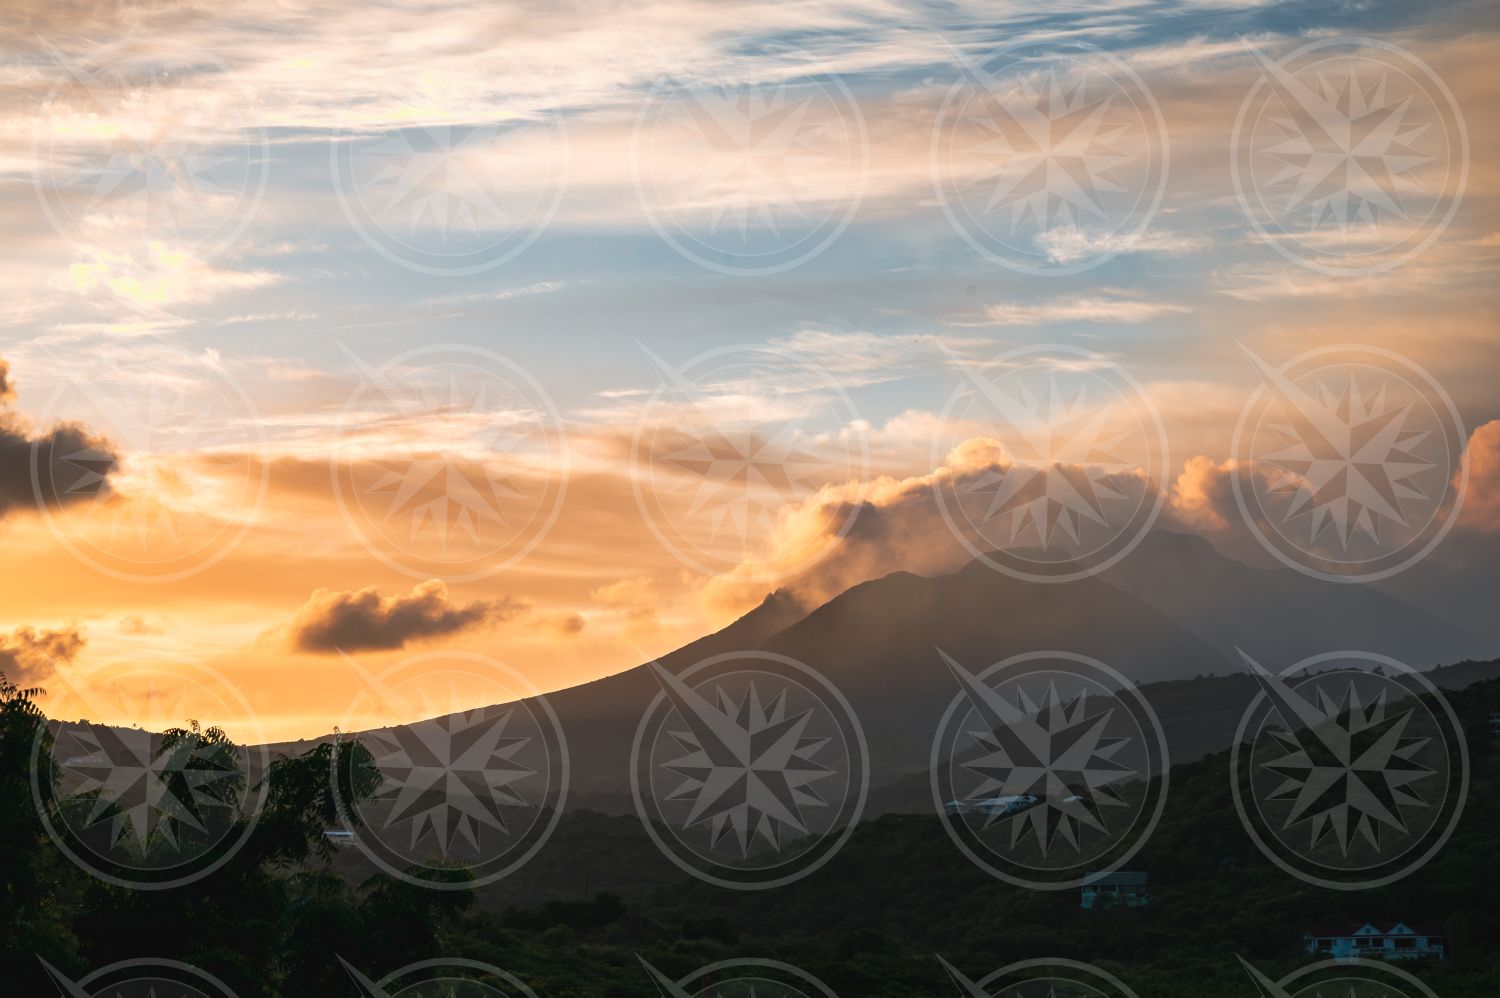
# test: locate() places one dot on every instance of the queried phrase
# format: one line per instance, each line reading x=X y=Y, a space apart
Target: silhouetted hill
x=1279 y=615
x=878 y=643
x=1167 y=618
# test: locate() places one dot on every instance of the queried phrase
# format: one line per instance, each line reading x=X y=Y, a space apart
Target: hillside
x=1277 y=614
x=871 y=921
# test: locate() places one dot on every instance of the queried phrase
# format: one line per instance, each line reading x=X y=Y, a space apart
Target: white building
x=1372 y=941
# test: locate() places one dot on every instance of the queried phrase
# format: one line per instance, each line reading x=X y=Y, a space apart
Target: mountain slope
x=1173 y=611
x=878 y=643
x=1278 y=615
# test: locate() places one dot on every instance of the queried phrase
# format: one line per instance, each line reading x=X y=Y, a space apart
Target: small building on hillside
x=1116 y=889
x=1375 y=941
x=993 y=807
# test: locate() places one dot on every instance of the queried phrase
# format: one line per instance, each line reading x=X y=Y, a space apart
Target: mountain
x=878 y=644
x=1280 y=616
x=1168 y=618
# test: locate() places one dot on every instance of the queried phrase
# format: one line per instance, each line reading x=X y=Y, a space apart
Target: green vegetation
x=274 y=919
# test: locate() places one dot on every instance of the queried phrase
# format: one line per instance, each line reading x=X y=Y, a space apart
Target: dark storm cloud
x=28 y=656
x=366 y=621
x=64 y=464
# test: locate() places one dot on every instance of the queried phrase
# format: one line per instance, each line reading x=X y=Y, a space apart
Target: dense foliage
x=275 y=919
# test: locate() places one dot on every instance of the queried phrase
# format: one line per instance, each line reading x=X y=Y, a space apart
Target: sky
x=560 y=334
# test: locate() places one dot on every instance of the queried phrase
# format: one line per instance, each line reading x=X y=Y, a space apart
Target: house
x=1375 y=941
x=1495 y=724
x=995 y=807
x=1114 y=889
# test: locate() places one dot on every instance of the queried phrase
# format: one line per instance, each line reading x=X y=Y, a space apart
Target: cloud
x=856 y=359
x=1067 y=245
x=1481 y=508
x=1202 y=500
x=28 y=656
x=160 y=277
x=1201 y=496
x=364 y=620
x=637 y=602
x=891 y=524
x=636 y=597
x=137 y=626
x=504 y=294
x=62 y=465
x=1080 y=308
x=566 y=625
x=883 y=525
